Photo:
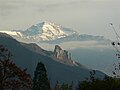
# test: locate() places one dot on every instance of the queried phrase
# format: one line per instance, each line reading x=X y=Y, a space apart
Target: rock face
x=64 y=56
x=60 y=54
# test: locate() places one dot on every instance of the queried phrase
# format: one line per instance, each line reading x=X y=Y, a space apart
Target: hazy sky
x=85 y=16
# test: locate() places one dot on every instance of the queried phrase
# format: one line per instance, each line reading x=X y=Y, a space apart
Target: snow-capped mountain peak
x=50 y=32
x=45 y=31
x=12 y=33
x=51 y=28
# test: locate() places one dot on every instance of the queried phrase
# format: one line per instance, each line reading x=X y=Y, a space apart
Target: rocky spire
x=59 y=53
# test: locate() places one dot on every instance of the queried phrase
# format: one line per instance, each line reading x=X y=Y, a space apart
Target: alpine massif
x=47 y=35
x=51 y=33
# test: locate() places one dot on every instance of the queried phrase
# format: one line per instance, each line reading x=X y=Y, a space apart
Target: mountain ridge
x=50 y=33
x=26 y=58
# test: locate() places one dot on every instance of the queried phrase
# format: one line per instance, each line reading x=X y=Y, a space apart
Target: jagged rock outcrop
x=60 y=54
x=64 y=56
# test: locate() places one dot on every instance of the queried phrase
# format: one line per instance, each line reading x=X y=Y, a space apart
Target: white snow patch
x=14 y=33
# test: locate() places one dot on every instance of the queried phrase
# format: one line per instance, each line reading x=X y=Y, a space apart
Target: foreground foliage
x=11 y=76
x=108 y=83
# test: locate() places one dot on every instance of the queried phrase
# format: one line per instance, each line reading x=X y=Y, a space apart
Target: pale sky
x=85 y=16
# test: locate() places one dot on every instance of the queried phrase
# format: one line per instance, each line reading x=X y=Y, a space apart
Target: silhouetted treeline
x=108 y=83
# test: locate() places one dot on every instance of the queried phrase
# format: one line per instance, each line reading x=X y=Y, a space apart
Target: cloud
x=52 y=5
x=76 y=44
x=8 y=6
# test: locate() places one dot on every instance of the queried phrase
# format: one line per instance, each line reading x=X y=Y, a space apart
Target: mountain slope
x=26 y=58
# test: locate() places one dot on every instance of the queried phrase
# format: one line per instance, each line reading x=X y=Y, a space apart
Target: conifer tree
x=56 y=86
x=40 y=81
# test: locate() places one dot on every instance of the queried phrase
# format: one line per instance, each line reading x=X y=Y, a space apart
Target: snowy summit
x=51 y=33
x=44 y=31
